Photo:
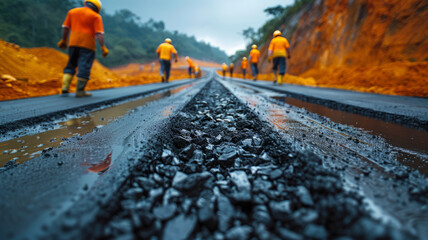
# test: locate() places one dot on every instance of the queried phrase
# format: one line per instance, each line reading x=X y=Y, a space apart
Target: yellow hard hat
x=244 y=58
x=97 y=3
x=168 y=40
x=277 y=33
x=254 y=46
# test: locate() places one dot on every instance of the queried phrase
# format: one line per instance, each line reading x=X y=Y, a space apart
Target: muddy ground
x=219 y=172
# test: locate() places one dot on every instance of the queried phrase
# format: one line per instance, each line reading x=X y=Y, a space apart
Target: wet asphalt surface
x=393 y=182
x=82 y=172
x=213 y=166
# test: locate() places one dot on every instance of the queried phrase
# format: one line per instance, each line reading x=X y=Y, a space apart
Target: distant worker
x=197 y=72
x=153 y=66
x=80 y=29
x=224 y=67
x=164 y=51
x=279 y=49
x=191 y=69
x=141 y=68
x=244 y=65
x=254 y=60
x=231 y=68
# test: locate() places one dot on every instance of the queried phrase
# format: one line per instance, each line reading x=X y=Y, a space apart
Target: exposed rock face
x=334 y=39
x=360 y=32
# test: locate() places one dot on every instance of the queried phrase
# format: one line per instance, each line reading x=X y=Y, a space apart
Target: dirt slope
x=37 y=72
x=365 y=45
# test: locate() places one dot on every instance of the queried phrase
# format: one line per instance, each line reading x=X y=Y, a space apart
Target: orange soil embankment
x=136 y=73
x=396 y=78
x=270 y=77
x=37 y=72
x=377 y=46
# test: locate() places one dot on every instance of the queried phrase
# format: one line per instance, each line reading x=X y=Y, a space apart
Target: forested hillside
x=37 y=23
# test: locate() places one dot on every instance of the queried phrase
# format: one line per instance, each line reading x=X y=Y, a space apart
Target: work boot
x=66 y=80
x=163 y=78
x=254 y=78
x=80 y=89
x=280 y=77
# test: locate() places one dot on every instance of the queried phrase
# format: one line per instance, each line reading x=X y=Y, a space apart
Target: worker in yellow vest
x=231 y=68
x=164 y=51
x=278 y=50
x=191 y=68
x=254 y=60
x=197 y=72
x=244 y=65
x=224 y=68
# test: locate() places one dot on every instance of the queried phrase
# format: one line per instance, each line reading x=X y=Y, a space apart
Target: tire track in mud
x=219 y=172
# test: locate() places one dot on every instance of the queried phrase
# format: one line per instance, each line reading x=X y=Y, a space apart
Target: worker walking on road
x=254 y=60
x=80 y=29
x=244 y=65
x=279 y=49
x=191 y=69
x=231 y=67
x=197 y=72
x=224 y=68
x=164 y=51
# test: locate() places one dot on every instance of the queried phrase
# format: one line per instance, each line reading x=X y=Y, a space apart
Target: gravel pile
x=218 y=172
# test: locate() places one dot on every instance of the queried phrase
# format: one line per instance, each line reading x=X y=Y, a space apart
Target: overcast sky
x=219 y=22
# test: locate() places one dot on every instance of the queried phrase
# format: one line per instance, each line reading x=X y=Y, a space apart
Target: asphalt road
x=85 y=170
x=410 y=111
x=35 y=193
x=364 y=160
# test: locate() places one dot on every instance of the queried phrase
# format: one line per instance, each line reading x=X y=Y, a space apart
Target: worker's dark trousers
x=191 y=70
x=279 y=62
x=231 y=73
x=165 y=68
x=81 y=58
x=255 y=69
x=244 y=71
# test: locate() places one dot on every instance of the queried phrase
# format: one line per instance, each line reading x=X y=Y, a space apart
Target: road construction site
x=215 y=158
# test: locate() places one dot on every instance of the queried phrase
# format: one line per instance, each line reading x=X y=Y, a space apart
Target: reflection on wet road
x=27 y=147
x=410 y=145
x=102 y=166
x=397 y=135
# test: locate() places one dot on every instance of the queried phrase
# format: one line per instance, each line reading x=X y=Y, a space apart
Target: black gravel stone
x=313 y=231
x=179 y=228
x=280 y=210
x=218 y=172
x=239 y=233
x=288 y=234
x=165 y=212
x=224 y=213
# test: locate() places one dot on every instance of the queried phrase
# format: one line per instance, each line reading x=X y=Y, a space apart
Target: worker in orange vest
x=191 y=69
x=164 y=51
x=224 y=68
x=254 y=60
x=278 y=50
x=244 y=65
x=231 y=68
x=80 y=29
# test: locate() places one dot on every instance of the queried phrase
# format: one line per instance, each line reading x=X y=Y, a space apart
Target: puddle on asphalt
x=27 y=147
x=409 y=143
